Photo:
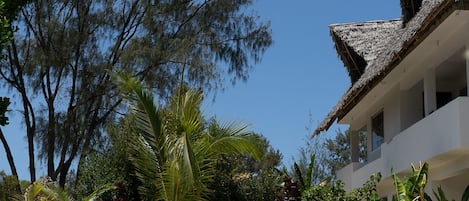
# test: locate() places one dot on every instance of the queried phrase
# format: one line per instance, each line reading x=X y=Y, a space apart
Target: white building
x=409 y=94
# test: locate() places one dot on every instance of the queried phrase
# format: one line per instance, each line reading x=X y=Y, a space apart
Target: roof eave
x=439 y=14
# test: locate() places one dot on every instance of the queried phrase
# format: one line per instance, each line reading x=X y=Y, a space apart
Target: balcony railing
x=444 y=131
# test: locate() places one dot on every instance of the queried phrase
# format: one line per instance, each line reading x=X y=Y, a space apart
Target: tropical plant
x=110 y=164
x=174 y=153
x=59 y=61
x=334 y=191
x=44 y=190
x=307 y=181
x=242 y=178
x=412 y=187
x=441 y=196
x=367 y=191
x=9 y=185
x=47 y=190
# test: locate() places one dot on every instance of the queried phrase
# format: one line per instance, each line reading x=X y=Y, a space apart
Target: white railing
x=444 y=130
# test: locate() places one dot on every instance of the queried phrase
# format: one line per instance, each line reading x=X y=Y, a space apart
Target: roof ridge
x=365 y=22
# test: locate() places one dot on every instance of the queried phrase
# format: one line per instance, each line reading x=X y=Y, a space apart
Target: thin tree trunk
x=28 y=113
x=10 y=161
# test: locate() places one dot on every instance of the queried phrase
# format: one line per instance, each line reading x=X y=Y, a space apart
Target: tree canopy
x=59 y=62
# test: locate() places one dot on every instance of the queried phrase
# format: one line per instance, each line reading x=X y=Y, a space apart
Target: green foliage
x=8 y=184
x=6 y=16
x=412 y=187
x=47 y=190
x=12 y=7
x=319 y=193
x=260 y=187
x=334 y=191
x=338 y=148
x=44 y=190
x=60 y=66
x=243 y=178
x=174 y=153
x=465 y=195
x=368 y=191
x=100 y=191
x=303 y=164
x=4 y=103
x=308 y=183
x=110 y=165
x=440 y=194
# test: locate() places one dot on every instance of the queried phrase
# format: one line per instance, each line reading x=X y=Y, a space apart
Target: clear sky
x=299 y=75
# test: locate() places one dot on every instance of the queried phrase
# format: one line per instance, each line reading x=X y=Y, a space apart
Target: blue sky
x=299 y=75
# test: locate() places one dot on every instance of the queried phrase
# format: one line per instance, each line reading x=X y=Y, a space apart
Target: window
x=362 y=134
x=377 y=130
x=442 y=98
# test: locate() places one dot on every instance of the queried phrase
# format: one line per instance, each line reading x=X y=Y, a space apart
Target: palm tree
x=46 y=190
x=174 y=152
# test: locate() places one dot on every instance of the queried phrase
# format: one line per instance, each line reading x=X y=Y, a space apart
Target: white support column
x=354 y=140
x=429 y=91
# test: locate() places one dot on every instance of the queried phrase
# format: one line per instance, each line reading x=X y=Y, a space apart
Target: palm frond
x=174 y=185
x=233 y=138
x=41 y=190
x=147 y=115
x=174 y=154
x=98 y=192
x=147 y=167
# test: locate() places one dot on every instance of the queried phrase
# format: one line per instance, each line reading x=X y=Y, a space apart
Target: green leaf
x=4 y=103
x=98 y=192
x=465 y=195
x=299 y=175
x=402 y=194
x=308 y=181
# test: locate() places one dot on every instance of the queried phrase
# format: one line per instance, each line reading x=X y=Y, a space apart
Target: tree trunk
x=10 y=161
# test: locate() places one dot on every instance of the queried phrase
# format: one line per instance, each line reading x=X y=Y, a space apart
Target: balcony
x=437 y=139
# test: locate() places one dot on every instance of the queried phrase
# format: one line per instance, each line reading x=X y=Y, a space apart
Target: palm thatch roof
x=360 y=43
x=382 y=56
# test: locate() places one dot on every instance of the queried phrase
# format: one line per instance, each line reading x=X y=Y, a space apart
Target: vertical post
x=429 y=88
x=466 y=57
x=369 y=140
x=354 y=141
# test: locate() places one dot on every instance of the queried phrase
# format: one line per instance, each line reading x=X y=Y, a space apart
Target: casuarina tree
x=60 y=60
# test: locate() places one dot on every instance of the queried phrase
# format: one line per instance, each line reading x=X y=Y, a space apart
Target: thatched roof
x=400 y=42
x=358 y=44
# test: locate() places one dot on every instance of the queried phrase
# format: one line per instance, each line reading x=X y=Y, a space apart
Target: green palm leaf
x=147 y=114
x=174 y=154
x=98 y=192
x=232 y=138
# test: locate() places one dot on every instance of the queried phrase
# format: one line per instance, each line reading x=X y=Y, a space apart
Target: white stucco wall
x=441 y=138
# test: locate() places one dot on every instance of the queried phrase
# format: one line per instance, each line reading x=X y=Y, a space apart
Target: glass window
x=377 y=130
x=362 y=134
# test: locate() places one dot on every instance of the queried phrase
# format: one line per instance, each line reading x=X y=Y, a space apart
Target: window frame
x=376 y=143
